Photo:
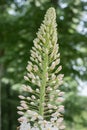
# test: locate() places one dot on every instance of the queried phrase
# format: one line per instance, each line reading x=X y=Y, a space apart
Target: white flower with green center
x=41 y=99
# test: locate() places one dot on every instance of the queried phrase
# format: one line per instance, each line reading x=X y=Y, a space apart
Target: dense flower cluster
x=40 y=103
x=42 y=125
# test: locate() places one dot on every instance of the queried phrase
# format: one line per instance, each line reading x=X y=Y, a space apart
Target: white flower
x=29 y=67
x=22 y=119
x=61 y=108
x=34 y=117
x=35 y=128
x=37 y=90
x=33 y=97
x=20 y=108
x=26 y=78
x=62 y=127
x=60 y=99
x=25 y=126
x=61 y=94
x=60 y=120
x=49 y=88
x=35 y=68
x=24 y=105
x=53 y=119
x=21 y=97
x=20 y=113
x=42 y=123
x=32 y=103
x=56 y=114
x=48 y=126
x=50 y=106
x=28 y=98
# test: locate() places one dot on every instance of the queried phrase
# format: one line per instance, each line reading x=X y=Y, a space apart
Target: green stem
x=43 y=83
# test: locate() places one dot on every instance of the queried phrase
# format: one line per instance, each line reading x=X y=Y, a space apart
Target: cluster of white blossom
x=41 y=103
x=42 y=125
x=32 y=116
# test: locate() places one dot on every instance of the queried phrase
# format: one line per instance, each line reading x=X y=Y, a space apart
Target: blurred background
x=19 y=22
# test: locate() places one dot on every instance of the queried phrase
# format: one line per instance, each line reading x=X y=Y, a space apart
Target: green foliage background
x=19 y=22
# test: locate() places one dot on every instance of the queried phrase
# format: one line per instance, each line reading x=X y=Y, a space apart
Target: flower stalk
x=40 y=106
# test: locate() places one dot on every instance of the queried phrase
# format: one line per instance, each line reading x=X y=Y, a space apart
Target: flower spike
x=41 y=106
